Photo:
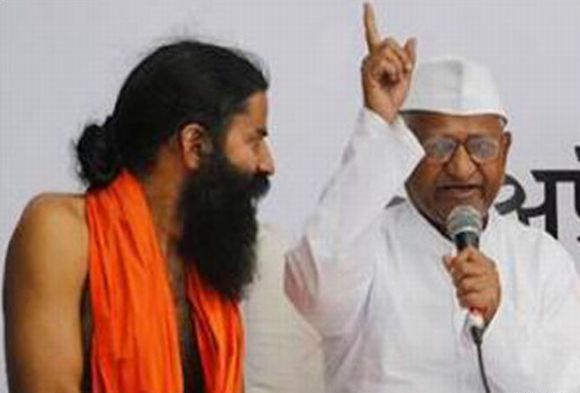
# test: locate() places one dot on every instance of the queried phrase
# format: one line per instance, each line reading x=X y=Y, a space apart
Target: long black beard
x=219 y=225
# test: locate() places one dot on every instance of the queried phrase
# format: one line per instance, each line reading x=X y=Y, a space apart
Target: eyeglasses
x=481 y=149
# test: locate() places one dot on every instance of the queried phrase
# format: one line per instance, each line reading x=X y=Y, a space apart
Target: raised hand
x=386 y=70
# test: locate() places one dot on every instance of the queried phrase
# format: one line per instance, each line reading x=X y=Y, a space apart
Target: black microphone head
x=464 y=225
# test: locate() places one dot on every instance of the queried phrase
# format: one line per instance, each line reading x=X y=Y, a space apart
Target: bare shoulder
x=50 y=240
x=44 y=281
x=68 y=207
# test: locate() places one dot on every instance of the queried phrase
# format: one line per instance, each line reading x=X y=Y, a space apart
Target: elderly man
x=134 y=286
x=381 y=281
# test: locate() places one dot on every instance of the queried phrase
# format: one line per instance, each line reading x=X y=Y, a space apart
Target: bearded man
x=134 y=285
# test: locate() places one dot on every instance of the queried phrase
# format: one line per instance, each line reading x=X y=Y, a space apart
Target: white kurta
x=371 y=280
x=283 y=353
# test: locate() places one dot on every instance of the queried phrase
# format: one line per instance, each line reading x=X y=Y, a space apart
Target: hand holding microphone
x=474 y=275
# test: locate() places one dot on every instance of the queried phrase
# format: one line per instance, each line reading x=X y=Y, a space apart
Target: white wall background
x=62 y=63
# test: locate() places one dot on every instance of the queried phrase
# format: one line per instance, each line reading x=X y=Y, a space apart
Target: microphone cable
x=477 y=335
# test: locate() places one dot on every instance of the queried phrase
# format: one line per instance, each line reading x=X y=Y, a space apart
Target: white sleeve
x=541 y=354
x=325 y=277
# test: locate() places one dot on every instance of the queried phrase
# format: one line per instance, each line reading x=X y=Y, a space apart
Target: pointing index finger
x=372 y=35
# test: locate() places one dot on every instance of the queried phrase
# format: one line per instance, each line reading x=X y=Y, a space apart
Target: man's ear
x=194 y=143
x=507 y=140
x=507 y=143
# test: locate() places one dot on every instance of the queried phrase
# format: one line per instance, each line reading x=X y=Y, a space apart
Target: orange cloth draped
x=135 y=341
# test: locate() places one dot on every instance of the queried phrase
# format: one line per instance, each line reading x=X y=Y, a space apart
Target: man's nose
x=460 y=166
x=266 y=161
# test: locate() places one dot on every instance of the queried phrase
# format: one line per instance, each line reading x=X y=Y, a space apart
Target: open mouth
x=461 y=191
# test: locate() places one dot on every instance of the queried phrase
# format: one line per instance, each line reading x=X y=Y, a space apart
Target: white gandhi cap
x=455 y=86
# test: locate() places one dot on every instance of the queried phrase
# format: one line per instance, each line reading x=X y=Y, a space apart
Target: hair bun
x=98 y=155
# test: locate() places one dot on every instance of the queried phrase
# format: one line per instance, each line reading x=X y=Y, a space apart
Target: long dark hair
x=180 y=83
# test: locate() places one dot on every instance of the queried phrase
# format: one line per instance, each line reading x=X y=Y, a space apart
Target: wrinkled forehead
x=425 y=124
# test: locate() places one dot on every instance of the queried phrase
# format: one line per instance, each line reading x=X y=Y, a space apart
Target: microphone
x=464 y=225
